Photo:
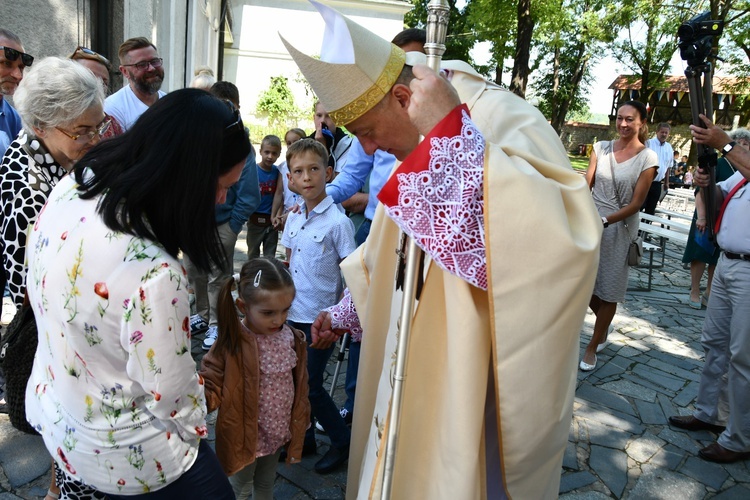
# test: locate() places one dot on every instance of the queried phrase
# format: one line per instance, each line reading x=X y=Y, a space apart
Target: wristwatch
x=727 y=148
x=605 y=222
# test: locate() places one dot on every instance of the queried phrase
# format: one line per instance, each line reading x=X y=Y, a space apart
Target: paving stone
x=607 y=436
x=686 y=395
x=643 y=448
x=586 y=495
x=710 y=474
x=667 y=485
x=737 y=492
x=674 y=370
x=739 y=471
x=666 y=406
x=21 y=468
x=570 y=458
x=596 y=395
x=573 y=480
x=614 y=367
x=628 y=352
x=681 y=440
x=628 y=388
x=611 y=418
x=668 y=457
x=659 y=377
x=611 y=466
x=650 y=413
x=632 y=377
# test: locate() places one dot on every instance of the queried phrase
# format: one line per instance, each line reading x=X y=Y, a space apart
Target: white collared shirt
x=665 y=154
x=318 y=244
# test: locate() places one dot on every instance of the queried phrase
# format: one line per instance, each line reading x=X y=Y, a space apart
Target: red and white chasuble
x=512 y=239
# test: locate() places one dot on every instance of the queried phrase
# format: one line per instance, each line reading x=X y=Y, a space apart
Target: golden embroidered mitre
x=356 y=68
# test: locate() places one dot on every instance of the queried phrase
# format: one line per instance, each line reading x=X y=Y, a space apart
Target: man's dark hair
x=158 y=180
x=136 y=43
x=9 y=35
x=410 y=35
x=226 y=90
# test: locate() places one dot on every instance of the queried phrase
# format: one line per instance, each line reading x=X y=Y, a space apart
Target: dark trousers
x=322 y=407
x=363 y=232
x=352 y=367
x=205 y=479
x=652 y=198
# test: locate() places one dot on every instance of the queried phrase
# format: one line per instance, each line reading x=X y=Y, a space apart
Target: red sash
x=726 y=202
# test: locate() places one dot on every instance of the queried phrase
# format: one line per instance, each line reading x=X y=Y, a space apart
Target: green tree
x=277 y=103
x=570 y=42
x=460 y=37
x=651 y=28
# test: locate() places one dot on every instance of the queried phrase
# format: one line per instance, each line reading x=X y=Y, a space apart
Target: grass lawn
x=580 y=163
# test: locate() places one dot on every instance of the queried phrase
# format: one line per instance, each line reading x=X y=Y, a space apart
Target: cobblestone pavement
x=620 y=445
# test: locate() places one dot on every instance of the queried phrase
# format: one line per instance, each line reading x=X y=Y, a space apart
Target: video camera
x=696 y=38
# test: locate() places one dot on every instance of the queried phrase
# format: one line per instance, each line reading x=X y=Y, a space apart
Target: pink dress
x=276 y=359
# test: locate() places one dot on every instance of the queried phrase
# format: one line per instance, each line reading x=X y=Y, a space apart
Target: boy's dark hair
x=135 y=43
x=158 y=180
x=305 y=145
x=270 y=274
x=271 y=140
x=226 y=90
x=410 y=35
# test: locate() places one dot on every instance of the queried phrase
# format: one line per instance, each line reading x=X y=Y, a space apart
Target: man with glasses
x=13 y=60
x=141 y=65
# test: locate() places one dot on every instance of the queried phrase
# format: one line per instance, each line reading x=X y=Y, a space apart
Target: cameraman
x=726 y=330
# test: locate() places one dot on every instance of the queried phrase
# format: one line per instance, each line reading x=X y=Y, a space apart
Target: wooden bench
x=671 y=214
x=677 y=233
x=682 y=196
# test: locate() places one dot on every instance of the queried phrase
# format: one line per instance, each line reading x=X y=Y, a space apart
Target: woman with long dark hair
x=114 y=391
x=620 y=173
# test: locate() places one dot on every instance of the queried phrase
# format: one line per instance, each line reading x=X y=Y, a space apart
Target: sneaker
x=198 y=324
x=211 y=335
x=346 y=415
x=319 y=427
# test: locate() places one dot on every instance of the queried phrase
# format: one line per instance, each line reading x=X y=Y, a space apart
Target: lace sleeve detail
x=437 y=197
x=344 y=317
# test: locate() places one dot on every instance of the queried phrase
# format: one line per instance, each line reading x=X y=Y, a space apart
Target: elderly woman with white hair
x=60 y=104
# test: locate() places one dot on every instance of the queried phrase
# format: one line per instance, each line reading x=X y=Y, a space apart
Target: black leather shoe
x=333 y=458
x=690 y=423
x=717 y=453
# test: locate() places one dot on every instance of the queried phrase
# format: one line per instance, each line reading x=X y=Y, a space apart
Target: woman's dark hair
x=158 y=180
x=259 y=274
x=643 y=113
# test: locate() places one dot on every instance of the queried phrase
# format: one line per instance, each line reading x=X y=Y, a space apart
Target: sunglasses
x=86 y=53
x=13 y=54
x=143 y=65
x=87 y=137
x=237 y=123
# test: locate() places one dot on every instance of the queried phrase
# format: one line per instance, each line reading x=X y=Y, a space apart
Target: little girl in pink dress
x=256 y=374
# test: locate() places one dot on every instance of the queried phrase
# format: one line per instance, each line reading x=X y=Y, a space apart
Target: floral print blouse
x=113 y=391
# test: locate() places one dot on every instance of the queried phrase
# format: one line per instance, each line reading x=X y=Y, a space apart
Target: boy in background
x=317 y=239
x=262 y=226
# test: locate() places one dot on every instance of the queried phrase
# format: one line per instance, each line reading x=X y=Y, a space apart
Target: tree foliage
x=460 y=37
x=277 y=102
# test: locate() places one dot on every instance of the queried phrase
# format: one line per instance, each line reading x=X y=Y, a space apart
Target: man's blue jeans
x=322 y=406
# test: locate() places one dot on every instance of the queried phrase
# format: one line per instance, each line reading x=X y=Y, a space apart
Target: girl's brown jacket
x=232 y=382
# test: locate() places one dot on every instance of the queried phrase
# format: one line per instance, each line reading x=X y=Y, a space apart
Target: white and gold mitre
x=356 y=68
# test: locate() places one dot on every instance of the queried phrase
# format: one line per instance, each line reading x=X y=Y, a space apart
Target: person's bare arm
x=357 y=203
x=591 y=171
x=717 y=138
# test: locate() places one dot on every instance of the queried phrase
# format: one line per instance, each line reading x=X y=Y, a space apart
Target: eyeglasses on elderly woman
x=13 y=54
x=85 y=137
